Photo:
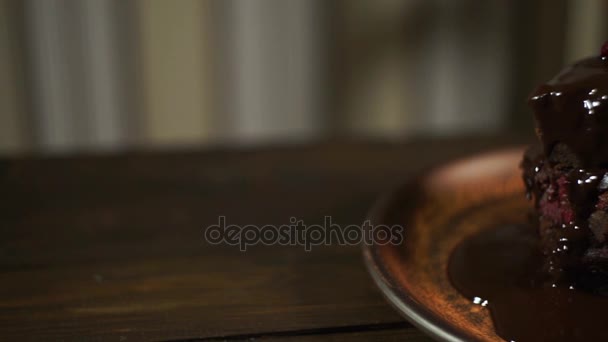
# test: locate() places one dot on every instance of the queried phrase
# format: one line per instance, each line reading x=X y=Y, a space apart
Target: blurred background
x=106 y=75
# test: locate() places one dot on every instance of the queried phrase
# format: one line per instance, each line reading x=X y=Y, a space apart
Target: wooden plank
x=405 y=334
x=112 y=247
x=381 y=332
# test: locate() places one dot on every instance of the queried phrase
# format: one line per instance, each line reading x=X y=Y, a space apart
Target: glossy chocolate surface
x=572 y=108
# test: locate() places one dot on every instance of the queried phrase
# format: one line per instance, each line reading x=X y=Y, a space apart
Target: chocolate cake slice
x=567 y=174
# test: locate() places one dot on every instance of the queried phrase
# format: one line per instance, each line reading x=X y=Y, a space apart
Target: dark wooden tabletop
x=112 y=248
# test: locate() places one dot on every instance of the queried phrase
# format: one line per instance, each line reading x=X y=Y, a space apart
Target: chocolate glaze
x=572 y=109
x=501 y=270
x=583 y=189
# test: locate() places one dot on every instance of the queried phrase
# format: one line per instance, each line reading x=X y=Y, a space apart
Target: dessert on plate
x=566 y=175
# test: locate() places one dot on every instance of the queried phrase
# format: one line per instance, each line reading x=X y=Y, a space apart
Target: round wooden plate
x=438 y=211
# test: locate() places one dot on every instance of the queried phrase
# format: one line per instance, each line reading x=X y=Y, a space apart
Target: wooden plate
x=438 y=211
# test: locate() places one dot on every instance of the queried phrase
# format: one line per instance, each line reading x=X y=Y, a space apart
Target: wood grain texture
x=382 y=333
x=111 y=247
x=410 y=335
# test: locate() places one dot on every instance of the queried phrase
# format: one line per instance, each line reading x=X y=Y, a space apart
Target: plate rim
x=414 y=312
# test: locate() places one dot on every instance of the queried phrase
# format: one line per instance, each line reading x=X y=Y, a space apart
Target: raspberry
x=555 y=204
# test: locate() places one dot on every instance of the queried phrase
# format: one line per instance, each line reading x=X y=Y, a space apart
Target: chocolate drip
x=584 y=189
x=572 y=109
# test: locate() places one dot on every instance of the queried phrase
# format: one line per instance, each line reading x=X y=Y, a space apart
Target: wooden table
x=112 y=248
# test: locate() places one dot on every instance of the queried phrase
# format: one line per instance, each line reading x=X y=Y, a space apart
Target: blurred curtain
x=422 y=67
x=113 y=74
x=275 y=69
x=176 y=58
x=13 y=120
x=77 y=54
